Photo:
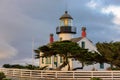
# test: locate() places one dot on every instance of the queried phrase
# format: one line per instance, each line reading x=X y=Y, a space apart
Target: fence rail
x=62 y=75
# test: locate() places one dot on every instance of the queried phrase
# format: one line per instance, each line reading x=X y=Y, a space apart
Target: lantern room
x=66 y=25
x=66 y=20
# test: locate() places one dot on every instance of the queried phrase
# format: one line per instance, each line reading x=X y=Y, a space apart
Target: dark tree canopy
x=66 y=49
x=110 y=52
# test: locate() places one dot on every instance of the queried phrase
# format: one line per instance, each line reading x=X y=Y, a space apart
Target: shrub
x=6 y=79
x=2 y=75
x=114 y=68
x=95 y=78
x=7 y=66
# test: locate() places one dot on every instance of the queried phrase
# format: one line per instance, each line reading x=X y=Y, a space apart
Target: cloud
x=8 y=28
x=95 y=4
x=19 y=24
x=115 y=10
x=92 y=4
x=105 y=15
x=6 y=51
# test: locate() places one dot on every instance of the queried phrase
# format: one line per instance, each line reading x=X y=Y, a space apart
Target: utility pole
x=32 y=51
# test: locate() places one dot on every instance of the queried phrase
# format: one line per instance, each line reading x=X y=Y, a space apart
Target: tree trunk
x=61 y=66
x=65 y=62
x=111 y=65
x=82 y=65
x=68 y=66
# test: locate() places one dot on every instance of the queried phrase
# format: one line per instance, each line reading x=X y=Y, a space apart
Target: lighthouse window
x=61 y=23
x=48 y=60
x=66 y=22
x=69 y=22
x=55 y=58
x=83 y=44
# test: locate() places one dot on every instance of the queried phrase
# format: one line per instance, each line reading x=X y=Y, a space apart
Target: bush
x=7 y=66
x=2 y=75
x=95 y=78
x=114 y=68
x=6 y=79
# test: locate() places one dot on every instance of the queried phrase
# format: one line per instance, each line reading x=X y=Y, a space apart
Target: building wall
x=88 y=44
x=65 y=36
x=55 y=62
x=52 y=64
x=43 y=62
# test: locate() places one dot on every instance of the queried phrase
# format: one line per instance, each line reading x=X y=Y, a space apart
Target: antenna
x=66 y=5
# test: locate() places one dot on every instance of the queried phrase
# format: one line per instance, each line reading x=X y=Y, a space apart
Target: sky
x=26 y=24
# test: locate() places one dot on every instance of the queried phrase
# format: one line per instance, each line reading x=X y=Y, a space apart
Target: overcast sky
x=22 y=21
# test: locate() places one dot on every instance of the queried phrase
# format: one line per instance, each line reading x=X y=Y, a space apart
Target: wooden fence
x=61 y=75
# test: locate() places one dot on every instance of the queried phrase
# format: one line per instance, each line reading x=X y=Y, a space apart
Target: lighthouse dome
x=66 y=15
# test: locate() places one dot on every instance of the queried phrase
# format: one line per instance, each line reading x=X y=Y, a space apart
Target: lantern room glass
x=66 y=22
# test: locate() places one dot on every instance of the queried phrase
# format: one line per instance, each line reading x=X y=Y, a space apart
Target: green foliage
x=17 y=66
x=6 y=79
x=66 y=49
x=95 y=78
x=27 y=66
x=37 y=55
x=114 y=68
x=2 y=75
x=110 y=53
x=6 y=65
x=13 y=66
x=32 y=67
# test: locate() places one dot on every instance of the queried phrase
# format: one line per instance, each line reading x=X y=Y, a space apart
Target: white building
x=65 y=31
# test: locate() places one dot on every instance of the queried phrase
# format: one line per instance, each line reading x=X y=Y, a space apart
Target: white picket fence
x=61 y=75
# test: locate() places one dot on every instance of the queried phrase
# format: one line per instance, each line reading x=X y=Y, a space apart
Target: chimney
x=83 y=34
x=51 y=38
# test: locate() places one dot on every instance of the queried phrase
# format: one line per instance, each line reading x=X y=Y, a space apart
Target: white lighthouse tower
x=66 y=30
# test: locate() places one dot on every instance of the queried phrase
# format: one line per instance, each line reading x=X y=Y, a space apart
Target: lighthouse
x=65 y=30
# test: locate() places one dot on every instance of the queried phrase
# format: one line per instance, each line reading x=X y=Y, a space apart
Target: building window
x=55 y=58
x=48 y=60
x=42 y=60
x=83 y=44
x=61 y=59
x=55 y=61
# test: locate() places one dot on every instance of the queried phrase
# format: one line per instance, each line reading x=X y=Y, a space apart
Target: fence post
x=13 y=72
x=30 y=74
x=56 y=74
x=112 y=75
x=20 y=73
x=91 y=74
x=41 y=74
x=73 y=75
